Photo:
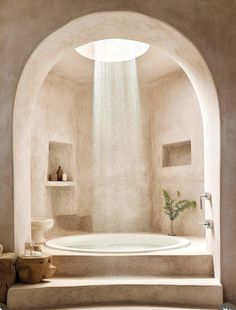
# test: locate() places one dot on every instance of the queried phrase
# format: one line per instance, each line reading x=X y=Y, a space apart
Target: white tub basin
x=118 y=243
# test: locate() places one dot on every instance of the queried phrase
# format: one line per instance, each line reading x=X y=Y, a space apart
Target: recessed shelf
x=176 y=154
x=60 y=154
x=62 y=193
x=59 y=183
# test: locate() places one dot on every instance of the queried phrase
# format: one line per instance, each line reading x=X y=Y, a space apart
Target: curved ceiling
x=150 y=66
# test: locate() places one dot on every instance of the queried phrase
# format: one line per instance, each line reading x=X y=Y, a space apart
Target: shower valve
x=207 y=224
x=207 y=196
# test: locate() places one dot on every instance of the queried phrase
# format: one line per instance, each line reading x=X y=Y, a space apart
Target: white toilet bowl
x=39 y=226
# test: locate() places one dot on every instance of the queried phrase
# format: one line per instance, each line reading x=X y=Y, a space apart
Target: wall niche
x=60 y=154
x=176 y=154
x=62 y=192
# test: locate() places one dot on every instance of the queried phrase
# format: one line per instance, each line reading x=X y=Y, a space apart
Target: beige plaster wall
x=84 y=149
x=169 y=113
x=64 y=113
x=210 y=25
x=176 y=117
x=54 y=119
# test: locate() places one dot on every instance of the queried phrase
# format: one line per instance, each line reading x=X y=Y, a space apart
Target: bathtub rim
x=183 y=242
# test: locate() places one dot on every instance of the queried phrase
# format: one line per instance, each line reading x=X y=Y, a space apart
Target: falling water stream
x=119 y=157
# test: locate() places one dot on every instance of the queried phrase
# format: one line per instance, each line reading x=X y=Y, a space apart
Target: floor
x=200 y=292
x=127 y=308
x=184 y=276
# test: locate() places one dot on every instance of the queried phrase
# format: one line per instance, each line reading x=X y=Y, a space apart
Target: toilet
x=38 y=227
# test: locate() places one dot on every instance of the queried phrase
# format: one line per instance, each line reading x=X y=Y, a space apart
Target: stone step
x=133 y=265
x=158 y=291
x=125 y=307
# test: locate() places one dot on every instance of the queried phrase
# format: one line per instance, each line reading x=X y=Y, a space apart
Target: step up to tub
x=125 y=307
x=133 y=265
x=72 y=292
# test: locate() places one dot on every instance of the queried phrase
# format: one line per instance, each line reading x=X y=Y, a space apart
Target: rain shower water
x=121 y=178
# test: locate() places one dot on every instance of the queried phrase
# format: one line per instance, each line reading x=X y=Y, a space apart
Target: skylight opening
x=113 y=50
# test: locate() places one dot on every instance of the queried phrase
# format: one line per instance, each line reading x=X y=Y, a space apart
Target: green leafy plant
x=174 y=207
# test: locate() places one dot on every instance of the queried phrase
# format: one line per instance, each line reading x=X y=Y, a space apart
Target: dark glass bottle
x=59 y=174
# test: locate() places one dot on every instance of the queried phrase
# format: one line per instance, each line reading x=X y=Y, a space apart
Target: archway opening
x=114 y=25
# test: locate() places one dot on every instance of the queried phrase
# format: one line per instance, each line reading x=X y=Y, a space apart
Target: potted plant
x=174 y=207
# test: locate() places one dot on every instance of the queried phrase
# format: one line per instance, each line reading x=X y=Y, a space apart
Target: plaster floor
x=88 y=281
x=159 y=283
x=74 y=291
x=127 y=308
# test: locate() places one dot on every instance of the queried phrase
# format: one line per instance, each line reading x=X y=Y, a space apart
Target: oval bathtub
x=117 y=243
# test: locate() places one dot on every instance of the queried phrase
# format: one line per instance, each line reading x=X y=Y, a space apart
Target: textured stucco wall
x=84 y=148
x=169 y=113
x=64 y=113
x=176 y=117
x=211 y=25
x=54 y=119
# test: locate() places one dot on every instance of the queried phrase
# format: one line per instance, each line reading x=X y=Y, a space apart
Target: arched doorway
x=100 y=26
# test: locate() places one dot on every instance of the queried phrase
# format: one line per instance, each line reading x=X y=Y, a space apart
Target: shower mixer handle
x=207 y=223
x=207 y=196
